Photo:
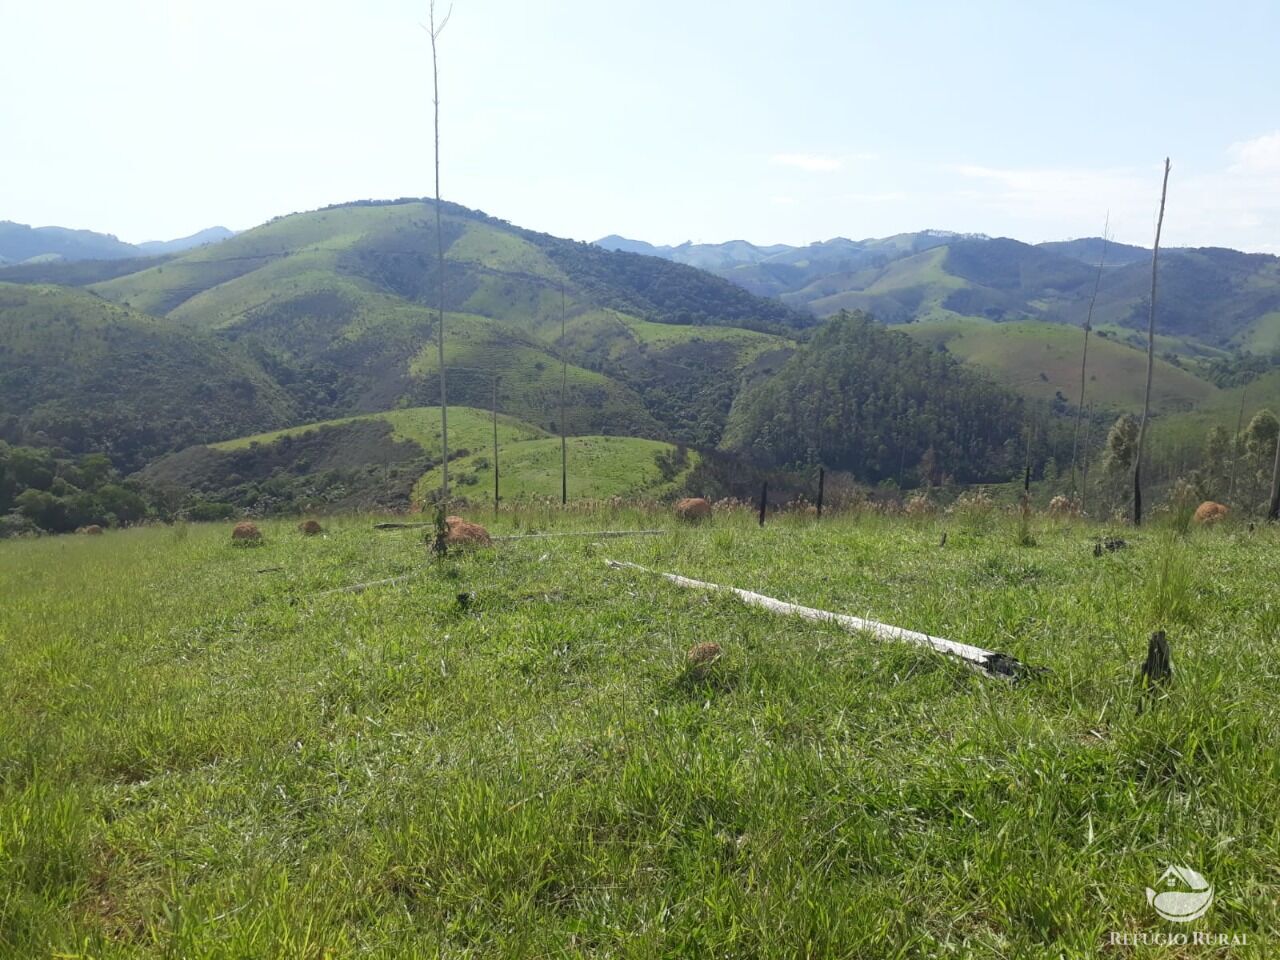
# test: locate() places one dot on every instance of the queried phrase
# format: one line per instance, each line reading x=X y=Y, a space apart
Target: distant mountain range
x=20 y=243
x=198 y=239
x=1214 y=299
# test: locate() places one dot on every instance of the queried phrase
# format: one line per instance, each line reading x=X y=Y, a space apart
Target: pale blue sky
x=660 y=120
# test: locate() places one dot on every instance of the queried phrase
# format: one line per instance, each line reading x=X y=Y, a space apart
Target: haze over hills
x=20 y=244
x=197 y=239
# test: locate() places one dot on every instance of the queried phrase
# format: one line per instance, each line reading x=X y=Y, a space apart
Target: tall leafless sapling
x=1235 y=446
x=1273 y=509
x=1084 y=458
x=564 y=381
x=1084 y=353
x=434 y=30
x=1151 y=356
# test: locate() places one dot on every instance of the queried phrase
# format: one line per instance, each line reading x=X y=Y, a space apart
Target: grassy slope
x=66 y=354
x=529 y=459
x=598 y=467
x=349 y=288
x=200 y=759
x=917 y=284
x=1188 y=431
x=1019 y=353
x=1263 y=335
x=467 y=428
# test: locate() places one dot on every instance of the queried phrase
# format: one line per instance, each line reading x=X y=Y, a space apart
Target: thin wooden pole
x=444 y=397
x=1084 y=457
x=764 y=500
x=1151 y=356
x=564 y=379
x=1235 y=446
x=1026 y=464
x=496 y=381
x=1084 y=353
x=822 y=476
x=1273 y=509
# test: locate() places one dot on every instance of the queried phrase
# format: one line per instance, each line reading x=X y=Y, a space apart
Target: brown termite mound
x=703 y=653
x=464 y=533
x=1209 y=513
x=701 y=660
x=246 y=534
x=310 y=528
x=693 y=509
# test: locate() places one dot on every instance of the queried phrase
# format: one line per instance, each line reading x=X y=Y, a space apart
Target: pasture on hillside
x=205 y=754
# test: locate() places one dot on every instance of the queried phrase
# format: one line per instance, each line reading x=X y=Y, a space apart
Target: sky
x=698 y=120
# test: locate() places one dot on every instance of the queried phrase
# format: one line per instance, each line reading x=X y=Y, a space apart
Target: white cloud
x=1236 y=204
x=1260 y=155
x=886 y=196
x=810 y=162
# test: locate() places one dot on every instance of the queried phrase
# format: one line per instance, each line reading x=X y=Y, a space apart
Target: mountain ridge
x=21 y=244
x=1222 y=298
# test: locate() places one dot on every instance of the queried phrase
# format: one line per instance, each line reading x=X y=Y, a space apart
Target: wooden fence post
x=822 y=476
x=764 y=500
x=495 y=445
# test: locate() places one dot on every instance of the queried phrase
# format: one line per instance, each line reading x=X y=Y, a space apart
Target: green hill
x=321 y=317
x=19 y=242
x=1211 y=299
x=1015 y=310
x=779 y=269
x=337 y=303
x=87 y=375
x=597 y=467
x=392 y=460
x=881 y=406
x=1042 y=361
x=995 y=279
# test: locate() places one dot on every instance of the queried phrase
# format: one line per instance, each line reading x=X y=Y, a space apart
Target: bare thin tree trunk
x=435 y=32
x=1273 y=510
x=1235 y=445
x=1084 y=456
x=1151 y=357
x=1084 y=353
x=564 y=380
x=496 y=380
x=1026 y=465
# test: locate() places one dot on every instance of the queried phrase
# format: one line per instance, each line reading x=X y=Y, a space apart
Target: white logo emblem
x=1184 y=895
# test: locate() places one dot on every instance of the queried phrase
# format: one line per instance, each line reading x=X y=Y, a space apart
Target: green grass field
x=468 y=427
x=1041 y=359
x=203 y=754
x=599 y=467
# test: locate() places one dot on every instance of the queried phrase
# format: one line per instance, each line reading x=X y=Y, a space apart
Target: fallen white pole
x=600 y=534
x=989 y=661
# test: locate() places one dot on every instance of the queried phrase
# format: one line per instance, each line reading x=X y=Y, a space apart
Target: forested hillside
x=873 y=402
x=86 y=375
